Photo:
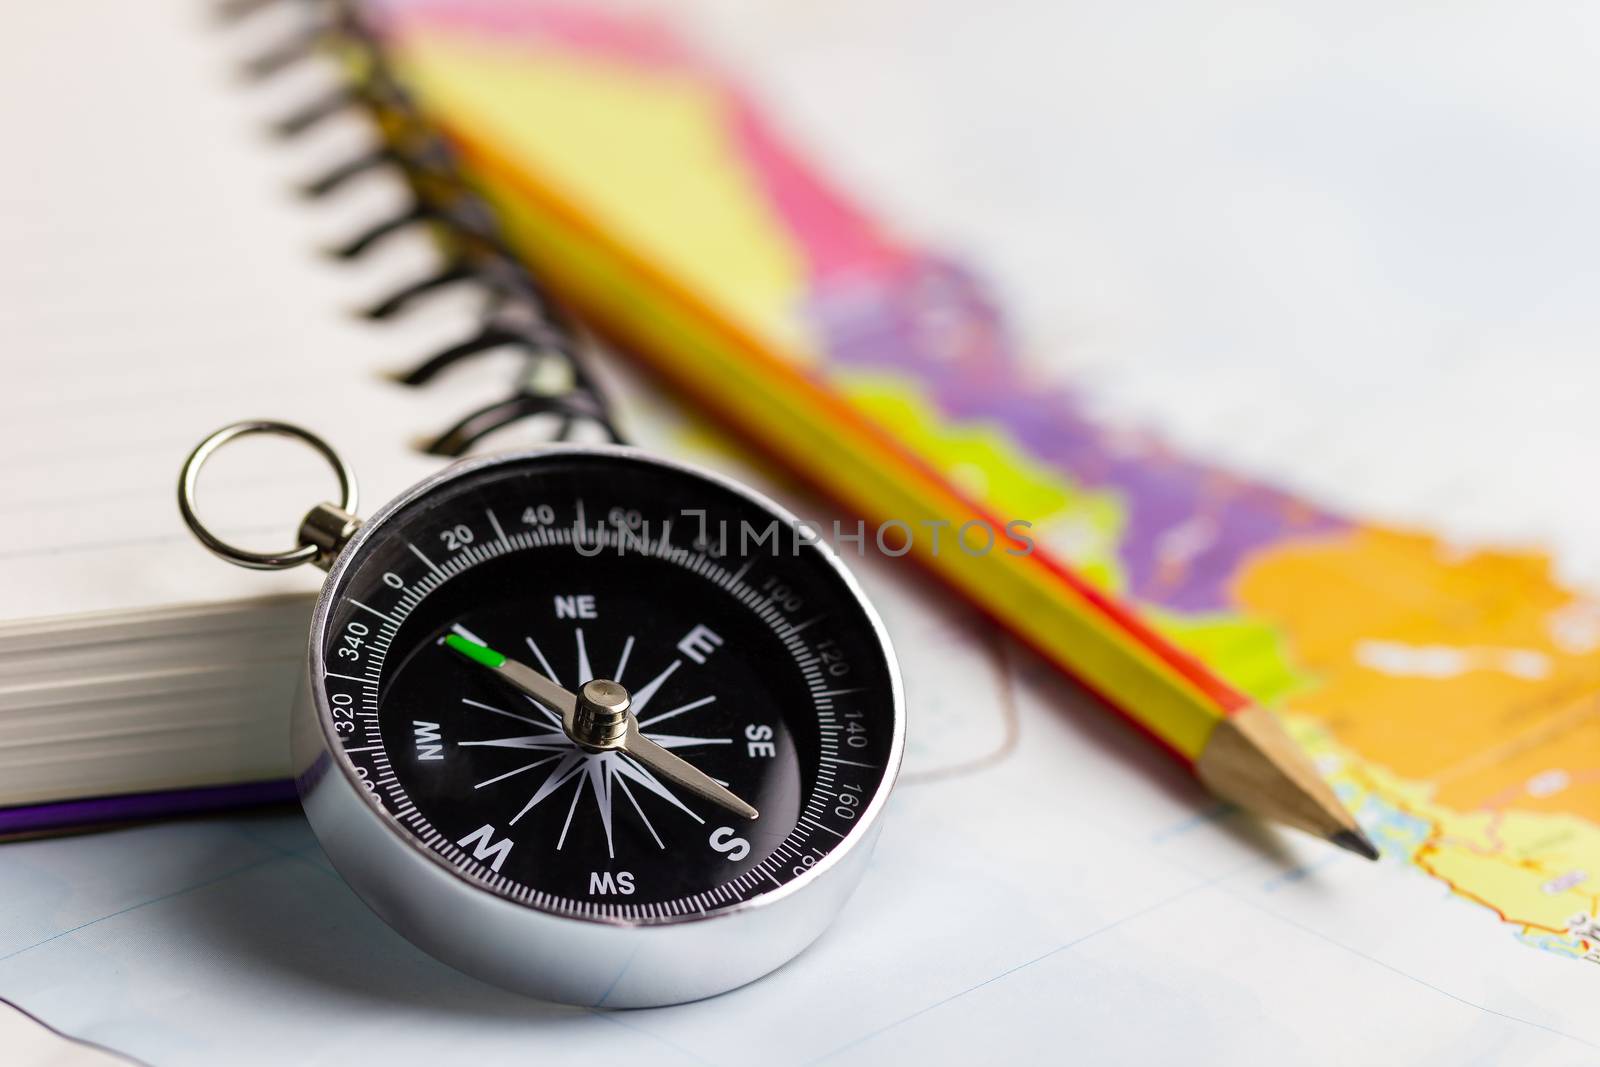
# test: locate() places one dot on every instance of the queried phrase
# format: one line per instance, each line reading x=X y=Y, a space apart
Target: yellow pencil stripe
x=841 y=458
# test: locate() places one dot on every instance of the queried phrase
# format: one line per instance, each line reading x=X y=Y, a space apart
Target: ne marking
x=496 y=524
x=849 y=762
x=349 y=678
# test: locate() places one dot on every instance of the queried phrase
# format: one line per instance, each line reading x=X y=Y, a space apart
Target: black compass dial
x=743 y=650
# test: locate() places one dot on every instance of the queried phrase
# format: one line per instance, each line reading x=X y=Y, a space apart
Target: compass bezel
x=469 y=925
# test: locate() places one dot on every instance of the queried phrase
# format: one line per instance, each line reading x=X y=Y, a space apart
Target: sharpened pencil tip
x=1355 y=841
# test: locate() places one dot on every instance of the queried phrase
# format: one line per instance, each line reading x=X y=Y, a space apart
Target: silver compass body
x=595 y=726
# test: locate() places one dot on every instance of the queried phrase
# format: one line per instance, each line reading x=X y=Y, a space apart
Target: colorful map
x=1448 y=692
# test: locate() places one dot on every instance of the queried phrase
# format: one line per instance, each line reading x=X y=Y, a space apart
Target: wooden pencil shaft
x=1244 y=757
x=848 y=464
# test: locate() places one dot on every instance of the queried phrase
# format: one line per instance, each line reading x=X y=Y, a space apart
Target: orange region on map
x=1473 y=682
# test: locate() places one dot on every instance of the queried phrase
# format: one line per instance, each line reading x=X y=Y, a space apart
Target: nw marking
x=428 y=744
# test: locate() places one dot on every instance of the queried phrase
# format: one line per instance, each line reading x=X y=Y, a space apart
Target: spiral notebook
x=212 y=227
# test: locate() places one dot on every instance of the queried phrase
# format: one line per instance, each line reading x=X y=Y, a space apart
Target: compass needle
x=526 y=830
x=599 y=718
x=683 y=773
x=538 y=686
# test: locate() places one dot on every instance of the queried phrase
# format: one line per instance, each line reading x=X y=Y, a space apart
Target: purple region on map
x=1189 y=526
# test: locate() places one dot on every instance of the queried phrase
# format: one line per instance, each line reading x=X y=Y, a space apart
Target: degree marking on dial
x=496 y=524
x=738 y=575
x=849 y=762
x=679 y=710
x=349 y=678
x=519 y=770
x=391 y=620
x=431 y=566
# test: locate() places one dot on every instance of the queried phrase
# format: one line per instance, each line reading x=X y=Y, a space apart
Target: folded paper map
x=1449 y=693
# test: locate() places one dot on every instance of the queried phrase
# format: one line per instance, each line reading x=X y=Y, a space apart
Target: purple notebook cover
x=93 y=812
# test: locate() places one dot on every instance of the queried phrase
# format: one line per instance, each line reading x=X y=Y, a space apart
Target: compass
x=593 y=725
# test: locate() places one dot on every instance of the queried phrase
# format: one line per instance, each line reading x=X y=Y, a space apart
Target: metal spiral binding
x=555 y=379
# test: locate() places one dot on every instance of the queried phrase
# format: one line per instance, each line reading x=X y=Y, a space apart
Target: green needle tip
x=475 y=652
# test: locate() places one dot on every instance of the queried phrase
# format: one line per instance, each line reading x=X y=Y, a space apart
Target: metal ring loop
x=189 y=479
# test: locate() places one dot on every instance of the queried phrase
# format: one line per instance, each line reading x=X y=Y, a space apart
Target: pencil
x=1236 y=748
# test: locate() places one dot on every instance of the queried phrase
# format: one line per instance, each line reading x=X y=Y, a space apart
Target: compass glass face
x=742 y=649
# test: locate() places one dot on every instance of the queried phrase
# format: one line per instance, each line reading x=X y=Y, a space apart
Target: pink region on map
x=910 y=312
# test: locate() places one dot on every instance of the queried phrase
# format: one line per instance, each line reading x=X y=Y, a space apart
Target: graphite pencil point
x=1355 y=841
